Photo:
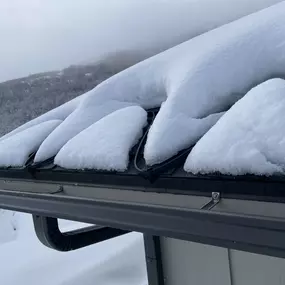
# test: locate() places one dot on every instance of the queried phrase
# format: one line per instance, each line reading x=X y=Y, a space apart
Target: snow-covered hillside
x=24 y=260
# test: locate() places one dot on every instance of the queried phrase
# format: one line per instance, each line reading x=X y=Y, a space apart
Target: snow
x=73 y=125
x=8 y=226
x=169 y=144
x=15 y=150
x=249 y=138
x=66 y=225
x=186 y=81
x=106 y=144
x=211 y=72
x=118 y=261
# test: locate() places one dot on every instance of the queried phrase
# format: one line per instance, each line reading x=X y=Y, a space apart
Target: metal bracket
x=49 y=234
x=216 y=197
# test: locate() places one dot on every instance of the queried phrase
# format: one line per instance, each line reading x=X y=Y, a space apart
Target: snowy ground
x=25 y=261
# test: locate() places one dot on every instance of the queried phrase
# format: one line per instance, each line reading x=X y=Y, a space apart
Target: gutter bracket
x=215 y=199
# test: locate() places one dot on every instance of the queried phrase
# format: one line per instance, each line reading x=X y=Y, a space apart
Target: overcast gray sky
x=41 y=35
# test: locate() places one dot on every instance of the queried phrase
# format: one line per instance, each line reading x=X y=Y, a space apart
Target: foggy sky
x=42 y=35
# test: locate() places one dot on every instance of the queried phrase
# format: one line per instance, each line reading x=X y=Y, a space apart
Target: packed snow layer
x=26 y=261
x=106 y=144
x=249 y=138
x=52 y=145
x=16 y=149
x=195 y=81
x=170 y=144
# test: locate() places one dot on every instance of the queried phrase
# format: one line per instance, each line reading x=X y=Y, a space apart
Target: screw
x=216 y=196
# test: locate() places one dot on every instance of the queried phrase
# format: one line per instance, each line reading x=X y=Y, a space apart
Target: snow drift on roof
x=249 y=138
x=193 y=82
x=60 y=136
x=106 y=144
x=195 y=127
x=15 y=150
x=196 y=79
x=212 y=71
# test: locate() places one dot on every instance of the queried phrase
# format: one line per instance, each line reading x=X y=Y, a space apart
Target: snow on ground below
x=105 y=144
x=249 y=138
x=196 y=81
x=66 y=225
x=8 y=226
x=26 y=261
x=15 y=150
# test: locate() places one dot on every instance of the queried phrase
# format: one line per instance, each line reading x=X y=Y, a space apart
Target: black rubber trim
x=168 y=167
x=48 y=232
x=256 y=234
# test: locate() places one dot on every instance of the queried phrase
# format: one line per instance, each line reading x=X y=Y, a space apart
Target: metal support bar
x=49 y=234
x=153 y=260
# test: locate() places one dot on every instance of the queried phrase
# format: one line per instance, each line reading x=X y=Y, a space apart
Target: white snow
x=26 y=261
x=66 y=225
x=15 y=150
x=74 y=124
x=169 y=144
x=212 y=71
x=106 y=144
x=249 y=138
x=196 y=79
x=8 y=226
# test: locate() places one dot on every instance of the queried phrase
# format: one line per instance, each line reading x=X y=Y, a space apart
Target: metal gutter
x=239 y=224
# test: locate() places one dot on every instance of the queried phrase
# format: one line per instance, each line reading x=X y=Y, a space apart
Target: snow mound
x=106 y=144
x=213 y=71
x=195 y=81
x=15 y=149
x=117 y=92
x=71 y=127
x=249 y=138
x=168 y=141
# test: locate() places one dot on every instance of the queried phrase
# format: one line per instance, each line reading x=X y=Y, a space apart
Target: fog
x=41 y=35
